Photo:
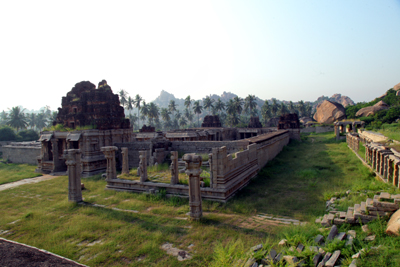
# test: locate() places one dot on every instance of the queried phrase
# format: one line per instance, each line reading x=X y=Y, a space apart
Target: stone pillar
x=125 y=162
x=337 y=132
x=386 y=162
x=382 y=164
x=54 y=145
x=174 y=167
x=109 y=152
x=366 y=154
x=143 y=166
x=210 y=156
x=390 y=169
x=396 y=174
x=193 y=170
x=73 y=161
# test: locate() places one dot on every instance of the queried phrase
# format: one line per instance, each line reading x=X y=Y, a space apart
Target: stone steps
x=381 y=205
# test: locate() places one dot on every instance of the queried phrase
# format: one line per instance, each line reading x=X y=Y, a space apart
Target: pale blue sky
x=290 y=50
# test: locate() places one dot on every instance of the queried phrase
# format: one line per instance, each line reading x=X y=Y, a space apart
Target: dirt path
x=26 y=181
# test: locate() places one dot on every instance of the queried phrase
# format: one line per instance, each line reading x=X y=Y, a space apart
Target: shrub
x=28 y=135
x=7 y=134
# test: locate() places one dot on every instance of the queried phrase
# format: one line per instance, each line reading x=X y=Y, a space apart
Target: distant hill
x=164 y=98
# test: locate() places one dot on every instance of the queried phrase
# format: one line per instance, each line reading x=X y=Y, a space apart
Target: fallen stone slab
x=333 y=233
x=393 y=225
x=332 y=260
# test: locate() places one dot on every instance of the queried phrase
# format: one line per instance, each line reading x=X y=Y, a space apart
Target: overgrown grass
x=10 y=172
x=130 y=228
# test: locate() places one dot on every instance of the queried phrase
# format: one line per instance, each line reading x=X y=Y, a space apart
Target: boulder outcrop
x=329 y=112
x=367 y=111
x=396 y=87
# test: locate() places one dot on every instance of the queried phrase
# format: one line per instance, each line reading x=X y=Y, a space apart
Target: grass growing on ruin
x=303 y=176
x=10 y=172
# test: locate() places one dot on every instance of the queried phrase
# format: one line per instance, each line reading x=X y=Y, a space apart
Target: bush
x=28 y=135
x=7 y=134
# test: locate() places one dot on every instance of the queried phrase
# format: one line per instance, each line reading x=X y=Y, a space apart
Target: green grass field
x=11 y=172
x=128 y=229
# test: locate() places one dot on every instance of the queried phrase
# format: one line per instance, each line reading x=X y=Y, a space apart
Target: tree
x=53 y=116
x=153 y=112
x=172 y=107
x=238 y=104
x=144 y=111
x=266 y=111
x=291 y=107
x=188 y=102
x=182 y=122
x=197 y=108
x=133 y=118
x=302 y=108
x=274 y=107
x=17 y=118
x=3 y=117
x=123 y=95
x=189 y=115
x=208 y=103
x=250 y=104
x=7 y=134
x=231 y=109
x=137 y=101
x=283 y=109
x=28 y=135
x=165 y=116
x=41 y=121
x=32 y=120
x=129 y=104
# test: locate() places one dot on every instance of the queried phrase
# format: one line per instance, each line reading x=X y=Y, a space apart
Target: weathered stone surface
x=174 y=167
x=328 y=112
x=396 y=87
x=393 y=225
x=73 y=161
x=317 y=258
x=85 y=105
x=333 y=233
x=367 y=111
x=289 y=121
x=193 y=164
x=370 y=238
x=341 y=236
x=319 y=239
x=125 y=160
x=254 y=123
x=300 y=247
x=325 y=259
x=211 y=121
x=109 y=153
x=332 y=260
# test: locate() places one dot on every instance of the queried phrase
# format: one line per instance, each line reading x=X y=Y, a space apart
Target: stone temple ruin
x=85 y=106
x=95 y=130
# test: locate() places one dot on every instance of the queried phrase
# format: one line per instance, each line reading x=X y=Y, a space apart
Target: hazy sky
x=290 y=50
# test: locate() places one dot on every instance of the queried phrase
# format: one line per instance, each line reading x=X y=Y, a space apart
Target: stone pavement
x=26 y=181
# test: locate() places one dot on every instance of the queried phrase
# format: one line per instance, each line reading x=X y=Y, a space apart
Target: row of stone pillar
x=384 y=162
x=193 y=163
x=353 y=141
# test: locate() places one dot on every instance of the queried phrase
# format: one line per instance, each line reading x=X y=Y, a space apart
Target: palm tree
x=172 y=107
x=32 y=120
x=208 y=103
x=266 y=111
x=165 y=116
x=3 y=117
x=129 y=104
x=153 y=112
x=238 y=104
x=178 y=115
x=53 y=117
x=197 y=108
x=188 y=102
x=17 y=118
x=41 y=121
x=250 y=104
x=182 y=122
x=189 y=115
x=302 y=108
x=291 y=107
x=133 y=118
x=144 y=110
x=137 y=101
x=231 y=109
x=123 y=97
x=274 y=107
x=283 y=109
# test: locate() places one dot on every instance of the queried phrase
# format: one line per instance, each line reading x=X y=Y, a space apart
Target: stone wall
x=318 y=129
x=228 y=173
x=21 y=153
x=205 y=147
x=371 y=136
x=133 y=152
x=3 y=143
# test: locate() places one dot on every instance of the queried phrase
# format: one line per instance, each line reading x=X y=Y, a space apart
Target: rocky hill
x=163 y=99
